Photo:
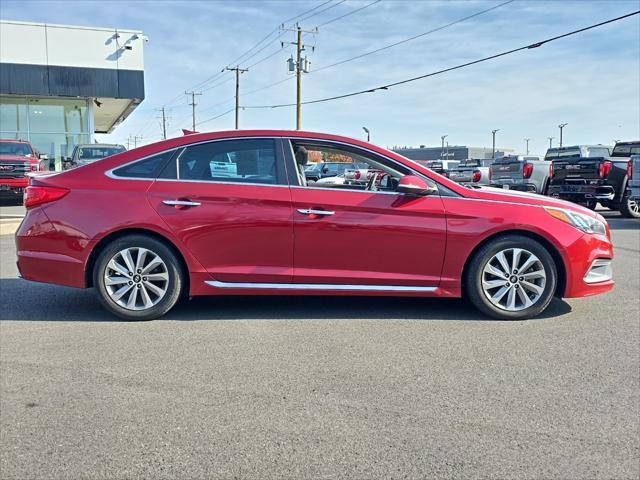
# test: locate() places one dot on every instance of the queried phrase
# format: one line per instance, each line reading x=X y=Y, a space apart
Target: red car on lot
x=17 y=159
x=151 y=225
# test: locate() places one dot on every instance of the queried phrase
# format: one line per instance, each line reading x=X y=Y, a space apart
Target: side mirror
x=325 y=169
x=414 y=185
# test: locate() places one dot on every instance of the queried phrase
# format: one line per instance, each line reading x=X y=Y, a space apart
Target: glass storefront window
x=53 y=115
x=13 y=115
x=53 y=125
x=57 y=145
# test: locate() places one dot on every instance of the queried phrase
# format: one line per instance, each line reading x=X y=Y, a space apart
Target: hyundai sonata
x=165 y=221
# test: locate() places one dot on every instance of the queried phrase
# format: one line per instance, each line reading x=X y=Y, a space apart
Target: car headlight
x=585 y=223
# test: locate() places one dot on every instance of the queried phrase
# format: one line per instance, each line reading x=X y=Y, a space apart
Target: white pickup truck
x=471 y=172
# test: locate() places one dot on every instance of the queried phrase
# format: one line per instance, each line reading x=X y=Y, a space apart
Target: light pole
x=442 y=151
x=493 y=132
x=561 y=126
x=527 y=140
x=368 y=133
x=550 y=141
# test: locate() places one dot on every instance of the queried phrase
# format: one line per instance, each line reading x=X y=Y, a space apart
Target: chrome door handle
x=310 y=211
x=181 y=203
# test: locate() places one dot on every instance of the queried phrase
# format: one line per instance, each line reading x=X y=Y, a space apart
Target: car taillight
x=34 y=167
x=629 y=169
x=357 y=174
x=476 y=176
x=527 y=170
x=605 y=169
x=34 y=196
x=551 y=170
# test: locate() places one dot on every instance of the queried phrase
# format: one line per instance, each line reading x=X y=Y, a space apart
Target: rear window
x=149 y=167
x=557 y=154
x=599 y=152
x=96 y=153
x=626 y=150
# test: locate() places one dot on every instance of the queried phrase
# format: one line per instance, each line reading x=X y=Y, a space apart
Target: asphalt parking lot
x=310 y=387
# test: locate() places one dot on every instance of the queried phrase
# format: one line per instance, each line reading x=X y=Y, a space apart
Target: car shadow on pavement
x=617 y=222
x=28 y=301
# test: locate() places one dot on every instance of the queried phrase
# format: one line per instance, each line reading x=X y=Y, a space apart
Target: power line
x=347 y=14
x=217 y=116
x=386 y=47
x=474 y=62
x=460 y=20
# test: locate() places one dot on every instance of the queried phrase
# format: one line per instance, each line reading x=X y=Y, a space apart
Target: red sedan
x=230 y=213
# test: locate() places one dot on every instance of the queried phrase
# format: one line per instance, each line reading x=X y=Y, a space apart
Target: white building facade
x=60 y=84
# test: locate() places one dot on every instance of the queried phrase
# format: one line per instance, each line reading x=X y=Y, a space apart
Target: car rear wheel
x=511 y=278
x=629 y=207
x=138 y=278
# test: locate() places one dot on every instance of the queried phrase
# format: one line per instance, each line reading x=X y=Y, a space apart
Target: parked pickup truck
x=588 y=175
x=522 y=173
x=472 y=172
x=634 y=179
x=17 y=159
x=85 y=154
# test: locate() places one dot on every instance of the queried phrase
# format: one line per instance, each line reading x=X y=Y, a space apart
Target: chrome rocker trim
x=320 y=286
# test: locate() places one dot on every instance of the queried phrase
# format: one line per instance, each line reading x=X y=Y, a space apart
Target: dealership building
x=61 y=84
x=450 y=152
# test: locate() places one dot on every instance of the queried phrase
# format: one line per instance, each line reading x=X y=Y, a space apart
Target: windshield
x=626 y=150
x=568 y=153
x=15 y=148
x=311 y=167
x=95 y=153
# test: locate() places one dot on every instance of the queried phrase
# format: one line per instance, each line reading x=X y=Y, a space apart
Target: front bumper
x=13 y=186
x=588 y=266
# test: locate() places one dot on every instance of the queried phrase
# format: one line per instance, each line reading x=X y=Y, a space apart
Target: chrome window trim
x=280 y=185
x=109 y=173
x=320 y=286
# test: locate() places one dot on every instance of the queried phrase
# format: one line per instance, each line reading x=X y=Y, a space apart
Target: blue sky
x=590 y=81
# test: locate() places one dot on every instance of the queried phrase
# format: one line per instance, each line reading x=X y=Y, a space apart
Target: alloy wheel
x=634 y=206
x=513 y=279
x=136 y=278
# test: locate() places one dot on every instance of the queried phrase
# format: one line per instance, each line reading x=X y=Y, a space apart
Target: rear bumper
x=582 y=193
x=36 y=242
x=518 y=186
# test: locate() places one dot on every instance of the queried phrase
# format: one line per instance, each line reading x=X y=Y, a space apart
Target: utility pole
x=238 y=71
x=133 y=139
x=300 y=66
x=442 y=151
x=493 y=132
x=527 y=140
x=164 y=123
x=561 y=126
x=193 y=107
x=550 y=141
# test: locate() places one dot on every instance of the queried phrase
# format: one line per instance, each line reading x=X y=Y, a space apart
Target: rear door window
x=238 y=161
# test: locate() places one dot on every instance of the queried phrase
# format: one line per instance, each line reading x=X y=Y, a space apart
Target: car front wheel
x=138 y=278
x=511 y=278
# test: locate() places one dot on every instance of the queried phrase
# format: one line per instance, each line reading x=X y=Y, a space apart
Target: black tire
x=473 y=277
x=591 y=205
x=174 y=284
x=629 y=207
